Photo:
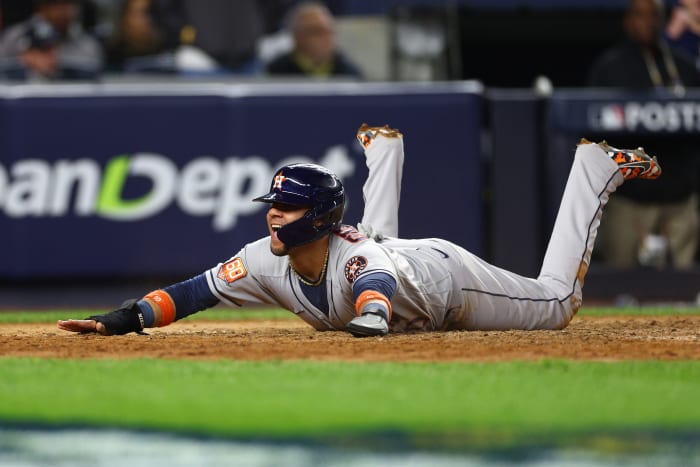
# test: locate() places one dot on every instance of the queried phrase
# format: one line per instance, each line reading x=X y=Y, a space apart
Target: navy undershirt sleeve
x=191 y=296
x=378 y=281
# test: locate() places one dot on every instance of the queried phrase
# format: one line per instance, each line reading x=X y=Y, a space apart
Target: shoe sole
x=365 y=139
x=642 y=166
x=361 y=331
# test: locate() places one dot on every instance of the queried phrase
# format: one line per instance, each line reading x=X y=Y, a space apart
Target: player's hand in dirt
x=82 y=325
x=125 y=319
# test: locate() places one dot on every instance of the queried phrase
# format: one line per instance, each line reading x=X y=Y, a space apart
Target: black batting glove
x=127 y=318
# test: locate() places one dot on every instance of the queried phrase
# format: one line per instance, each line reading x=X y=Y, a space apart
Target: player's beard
x=281 y=250
x=277 y=246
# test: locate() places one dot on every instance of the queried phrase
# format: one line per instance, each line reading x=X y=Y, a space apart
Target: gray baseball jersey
x=440 y=286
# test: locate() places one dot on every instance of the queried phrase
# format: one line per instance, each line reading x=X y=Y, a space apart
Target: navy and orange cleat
x=366 y=133
x=633 y=163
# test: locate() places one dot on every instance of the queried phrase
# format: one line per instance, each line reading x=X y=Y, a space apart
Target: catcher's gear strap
x=159 y=308
x=371 y=301
x=127 y=318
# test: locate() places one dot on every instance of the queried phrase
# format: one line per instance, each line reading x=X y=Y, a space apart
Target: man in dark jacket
x=666 y=212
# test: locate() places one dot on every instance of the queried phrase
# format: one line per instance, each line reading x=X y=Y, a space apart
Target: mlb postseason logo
x=649 y=116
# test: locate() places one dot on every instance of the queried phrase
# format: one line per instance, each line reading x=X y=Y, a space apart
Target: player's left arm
x=156 y=309
x=372 y=293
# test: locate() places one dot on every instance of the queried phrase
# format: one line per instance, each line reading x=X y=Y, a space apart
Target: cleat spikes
x=633 y=163
x=366 y=134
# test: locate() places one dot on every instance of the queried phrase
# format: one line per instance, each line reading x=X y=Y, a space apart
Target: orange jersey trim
x=369 y=296
x=163 y=307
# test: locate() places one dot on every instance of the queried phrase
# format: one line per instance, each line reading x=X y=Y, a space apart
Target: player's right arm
x=232 y=283
x=156 y=309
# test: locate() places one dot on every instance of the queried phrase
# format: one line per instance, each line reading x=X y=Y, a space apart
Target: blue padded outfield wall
x=133 y=180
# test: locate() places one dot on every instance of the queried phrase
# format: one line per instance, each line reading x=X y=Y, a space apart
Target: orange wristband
x=371 y=296
x=163 y=307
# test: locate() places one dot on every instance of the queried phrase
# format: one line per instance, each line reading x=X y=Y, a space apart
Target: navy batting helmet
x=312 y=186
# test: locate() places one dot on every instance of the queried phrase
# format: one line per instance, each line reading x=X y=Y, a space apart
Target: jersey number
x=232 y=270
x=350 y=234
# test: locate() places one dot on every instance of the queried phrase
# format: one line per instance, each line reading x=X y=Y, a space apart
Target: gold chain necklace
x=320 y=278
x=676 y=85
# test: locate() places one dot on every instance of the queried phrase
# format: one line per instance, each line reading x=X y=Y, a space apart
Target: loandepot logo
x=205 y=186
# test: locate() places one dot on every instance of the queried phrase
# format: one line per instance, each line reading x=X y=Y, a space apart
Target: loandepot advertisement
x=148 y=181
x=221 y=190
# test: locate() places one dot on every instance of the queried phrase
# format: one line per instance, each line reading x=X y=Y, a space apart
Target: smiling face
x=278 y=216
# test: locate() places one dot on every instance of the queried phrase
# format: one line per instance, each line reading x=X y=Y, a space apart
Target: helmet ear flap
x=298 y=232
x=310 y=227
x=335 y=215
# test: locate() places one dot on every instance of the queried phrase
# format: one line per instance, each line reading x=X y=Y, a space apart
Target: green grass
x=220 y=314
x=486 y=403
x=214 y=314
x=317 y=399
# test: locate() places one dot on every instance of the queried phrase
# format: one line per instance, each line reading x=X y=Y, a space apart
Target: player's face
x=278 y=216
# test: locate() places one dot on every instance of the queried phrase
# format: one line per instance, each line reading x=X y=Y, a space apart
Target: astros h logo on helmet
x=279 y=178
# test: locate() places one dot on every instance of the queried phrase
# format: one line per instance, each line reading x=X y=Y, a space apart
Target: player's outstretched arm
x=156 y=309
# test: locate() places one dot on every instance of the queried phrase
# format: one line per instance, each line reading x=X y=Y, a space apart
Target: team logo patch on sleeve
x=354 y=267
x=232 y=270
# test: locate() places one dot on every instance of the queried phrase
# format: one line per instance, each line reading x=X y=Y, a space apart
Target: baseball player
x=366 y=280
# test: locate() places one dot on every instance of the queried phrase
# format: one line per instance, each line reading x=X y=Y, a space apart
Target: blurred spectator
x=644 y=224
x=314 y=52
x=222 y=34
x=16 y=11
x=134 y=36
x=50 y=45
x=683 y=28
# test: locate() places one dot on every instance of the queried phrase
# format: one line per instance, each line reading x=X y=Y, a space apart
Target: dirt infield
x=588 y=338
